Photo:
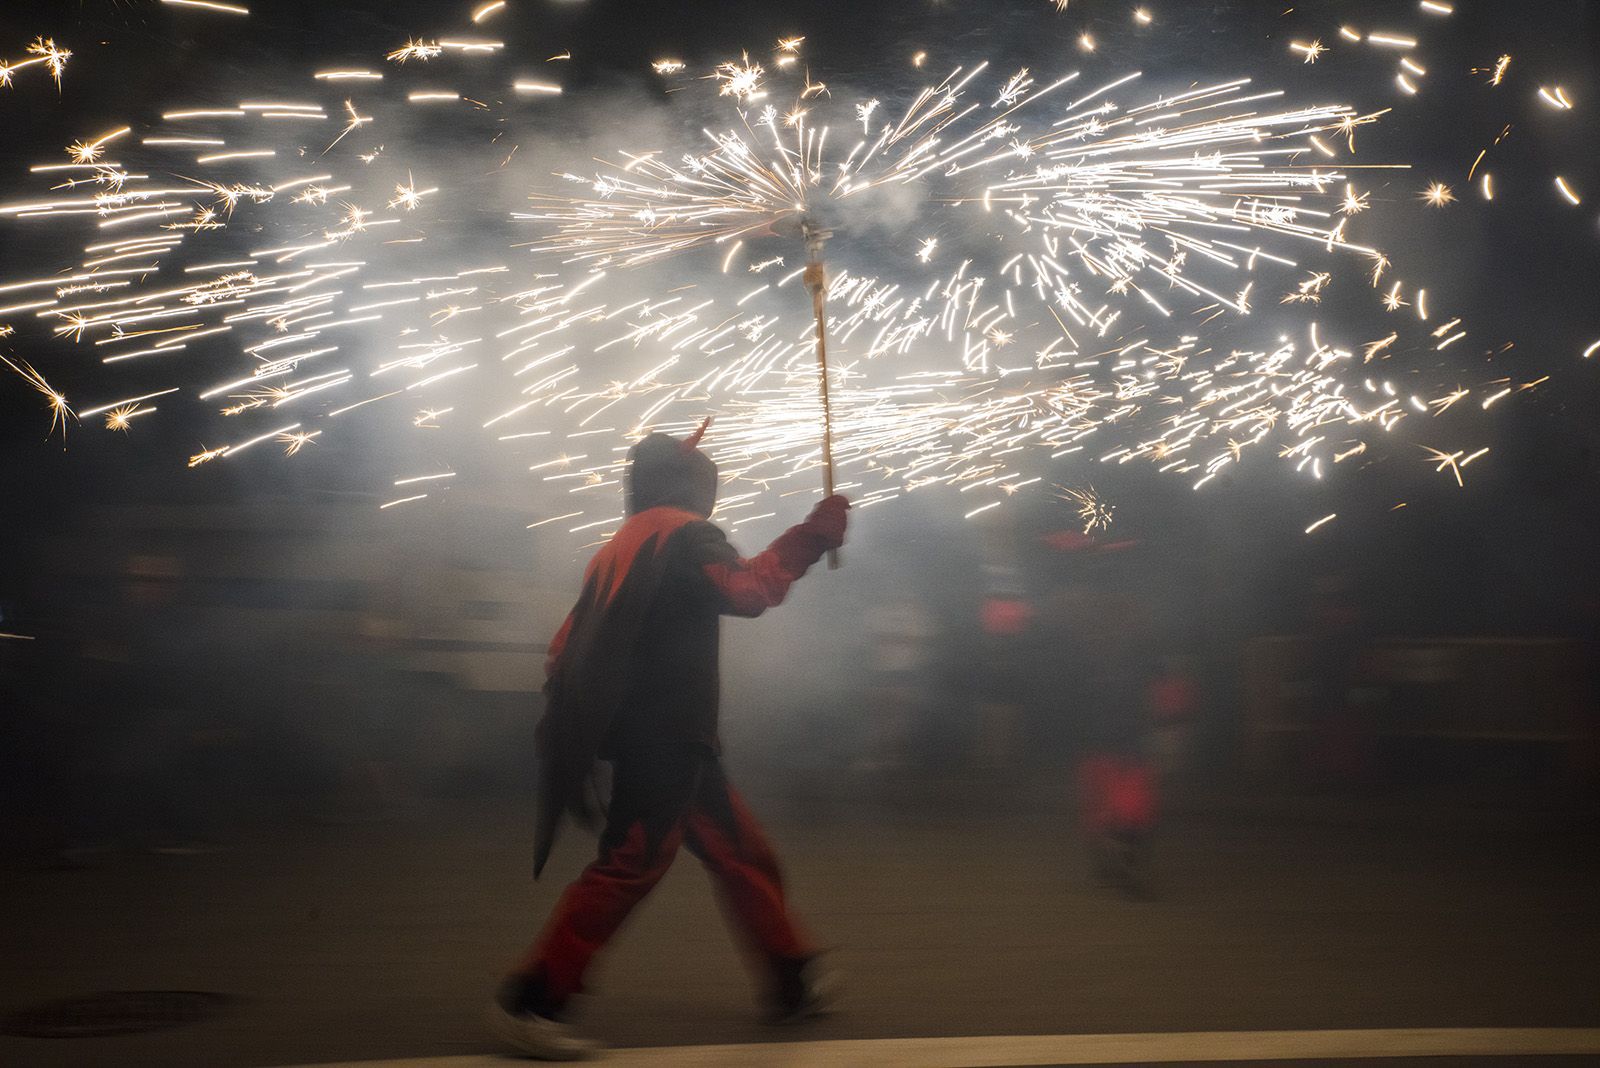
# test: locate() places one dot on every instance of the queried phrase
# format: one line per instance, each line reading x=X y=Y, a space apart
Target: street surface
x=360 y=941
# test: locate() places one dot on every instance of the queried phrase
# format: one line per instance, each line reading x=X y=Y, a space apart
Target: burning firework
x=1076 y=249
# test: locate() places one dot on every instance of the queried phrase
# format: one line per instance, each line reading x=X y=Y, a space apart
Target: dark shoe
x=1132 y=875
x=805 y=989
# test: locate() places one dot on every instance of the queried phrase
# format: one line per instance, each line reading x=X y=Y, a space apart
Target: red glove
x=827 y=521
x=804 y=543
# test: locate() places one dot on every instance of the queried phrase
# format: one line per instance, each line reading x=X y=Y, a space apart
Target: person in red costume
x=632 y=678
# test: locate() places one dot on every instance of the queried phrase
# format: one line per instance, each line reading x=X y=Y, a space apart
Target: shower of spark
x=1076 y=251
x=1094 y=512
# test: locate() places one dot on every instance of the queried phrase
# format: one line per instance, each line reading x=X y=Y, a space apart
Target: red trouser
x=658 y=801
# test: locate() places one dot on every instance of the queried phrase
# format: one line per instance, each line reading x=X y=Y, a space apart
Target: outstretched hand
x=827 y=521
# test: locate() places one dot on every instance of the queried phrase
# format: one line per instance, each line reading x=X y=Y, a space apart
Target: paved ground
x=360 y=942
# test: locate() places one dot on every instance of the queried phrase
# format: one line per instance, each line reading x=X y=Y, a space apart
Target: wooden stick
x=816 y=281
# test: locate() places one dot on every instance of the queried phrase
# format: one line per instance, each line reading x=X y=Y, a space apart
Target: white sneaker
x=539 y=1038
x=819 y=995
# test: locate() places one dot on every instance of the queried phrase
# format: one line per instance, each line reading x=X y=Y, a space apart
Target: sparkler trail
x=1077 y=263
x=42 y=52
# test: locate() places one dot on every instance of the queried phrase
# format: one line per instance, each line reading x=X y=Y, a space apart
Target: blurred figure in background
x=1339 y=742
x=1004 y=617
x=1101 y=660
x=1116 y=775
x=900 y=633
x=1174 y=705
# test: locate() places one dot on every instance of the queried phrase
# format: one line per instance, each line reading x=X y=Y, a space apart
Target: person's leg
x=1096 y=772
x=644 y=827
x=723 y=834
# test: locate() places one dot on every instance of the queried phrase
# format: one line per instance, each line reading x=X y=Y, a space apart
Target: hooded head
x=666 y=471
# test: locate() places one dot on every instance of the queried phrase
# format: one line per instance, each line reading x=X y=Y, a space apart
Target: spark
x=473 y=46
x=1437 y=195
x=1310 y=290
x=206 y=455
x=1093 y=510
x=119 y=418
x=55 y=59
x=1443 y=460
x=1556 y=98
x=554 y=519
x=294 y=441
x=1380 y=263
x=668 y=66
x=1566 y=191
x=1141 y=16
x=1496 y=73
x=408 y=196
x=543 y=88
x=1325 y=519
x=486 y=11
x=1310 y=51
x=209 y=5
x=59 y=411
x=1373 y=348
x=224 y=157
x=43 y=50
x=426 y=417
x=129 y=402
x=416 y=49
x=90 y=151
x=739 y=80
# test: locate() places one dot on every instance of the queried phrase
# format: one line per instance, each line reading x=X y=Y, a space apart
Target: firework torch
x=816 y=281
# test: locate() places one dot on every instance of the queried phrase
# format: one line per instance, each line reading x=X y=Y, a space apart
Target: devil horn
x=692 y=442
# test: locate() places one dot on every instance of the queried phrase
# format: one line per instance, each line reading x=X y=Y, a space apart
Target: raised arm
x=748 y=587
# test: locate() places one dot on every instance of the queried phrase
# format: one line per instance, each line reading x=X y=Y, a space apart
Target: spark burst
x=1093 y=511
x=1109 y=220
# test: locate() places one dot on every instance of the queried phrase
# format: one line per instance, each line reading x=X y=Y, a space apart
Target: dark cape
x=594 y=658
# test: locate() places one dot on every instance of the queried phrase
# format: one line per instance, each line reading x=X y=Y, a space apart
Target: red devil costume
x=633 y=680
